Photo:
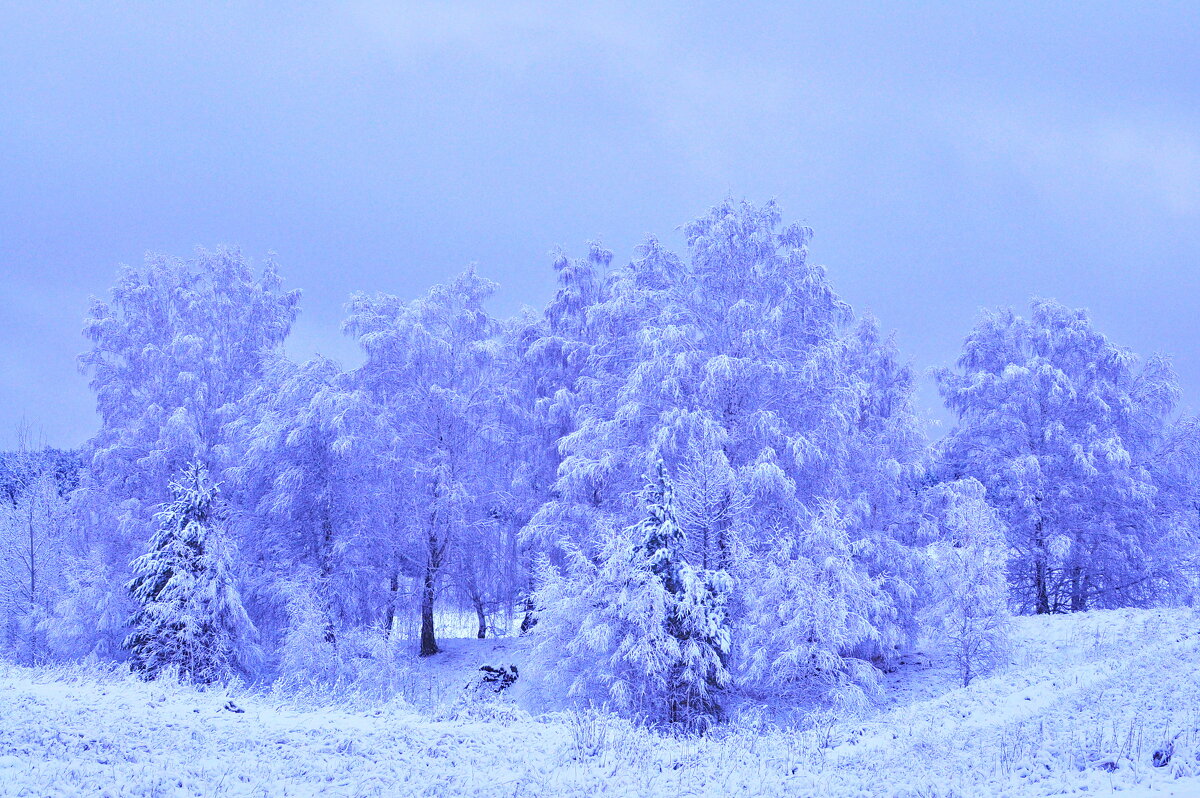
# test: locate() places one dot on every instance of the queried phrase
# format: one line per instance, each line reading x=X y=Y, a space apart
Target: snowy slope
x=1081 y=711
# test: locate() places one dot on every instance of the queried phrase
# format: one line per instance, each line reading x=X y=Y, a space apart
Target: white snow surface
x=1081 y=710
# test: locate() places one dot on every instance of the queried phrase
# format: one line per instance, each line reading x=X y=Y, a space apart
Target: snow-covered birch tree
x=1061 y=425
x=172 y=357
x=432 y=370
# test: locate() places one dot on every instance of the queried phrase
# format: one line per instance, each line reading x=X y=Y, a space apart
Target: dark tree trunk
x=1039 y=583
x=429 y=645
x=723 y=532
x=1078 y=590
x=530 y=619
x=479 y=613
x=327 y=574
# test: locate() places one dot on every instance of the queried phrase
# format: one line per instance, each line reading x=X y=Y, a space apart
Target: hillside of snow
x=1083 y=708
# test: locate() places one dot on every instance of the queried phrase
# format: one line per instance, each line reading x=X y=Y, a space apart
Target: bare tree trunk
x=327 y=574
x=530 y=619
x=723 y=554
x=1078 y=590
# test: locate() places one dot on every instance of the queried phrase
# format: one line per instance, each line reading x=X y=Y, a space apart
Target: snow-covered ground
x=1082 y=710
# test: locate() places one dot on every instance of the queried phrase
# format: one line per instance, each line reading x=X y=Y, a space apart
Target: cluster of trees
x=35 y=483
x=685 y=476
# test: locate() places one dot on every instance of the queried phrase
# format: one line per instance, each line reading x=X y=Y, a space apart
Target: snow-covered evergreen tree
x=643 y=630
x=190 y=615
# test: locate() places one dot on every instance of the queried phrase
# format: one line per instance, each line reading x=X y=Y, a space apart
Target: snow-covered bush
x=90 y=617
x=308 y=647
x=190 y=615
x=969 y=589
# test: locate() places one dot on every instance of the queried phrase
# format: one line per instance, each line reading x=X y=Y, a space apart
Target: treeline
x=686 y=476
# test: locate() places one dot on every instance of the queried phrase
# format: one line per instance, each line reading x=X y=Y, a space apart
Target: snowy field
x=1082 y=709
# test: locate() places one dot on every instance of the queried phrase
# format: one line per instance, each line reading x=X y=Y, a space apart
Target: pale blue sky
x=946 y=158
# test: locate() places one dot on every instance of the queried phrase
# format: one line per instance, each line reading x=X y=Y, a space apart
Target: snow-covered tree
x=32 y=565
x=742 y=369
x=190 y=615
x=1060 y=425
x=555 y=373
x=808 y=607
x=35 y=554
x=969 y=587
x=172 y=357
x=434 y=369
x=1176 y=470
x=302 y=480
x=643 y=630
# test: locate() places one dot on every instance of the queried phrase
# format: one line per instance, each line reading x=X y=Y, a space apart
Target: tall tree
x=1061 y=425
x=172 y=357
x=432 y=368
x=769 y=404
x=302 y=479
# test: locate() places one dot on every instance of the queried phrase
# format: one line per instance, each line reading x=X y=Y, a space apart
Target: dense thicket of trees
x=798 y=529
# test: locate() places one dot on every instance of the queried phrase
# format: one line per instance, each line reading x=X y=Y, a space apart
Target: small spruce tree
x=697 y=619
x=190 y=614
x=641 y=630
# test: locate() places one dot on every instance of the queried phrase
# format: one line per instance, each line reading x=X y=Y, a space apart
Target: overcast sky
x=947 y=159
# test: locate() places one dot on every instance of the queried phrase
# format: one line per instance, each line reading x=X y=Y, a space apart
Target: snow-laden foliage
x=1062 y=427
x=302 y=480
x=642 y=631
x=1176 y=469
x=190 y=615
x=36 y=543
x=23 y=467
x=308 y=647
x=798 y=532
x=806 y=605
x=33 y=563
